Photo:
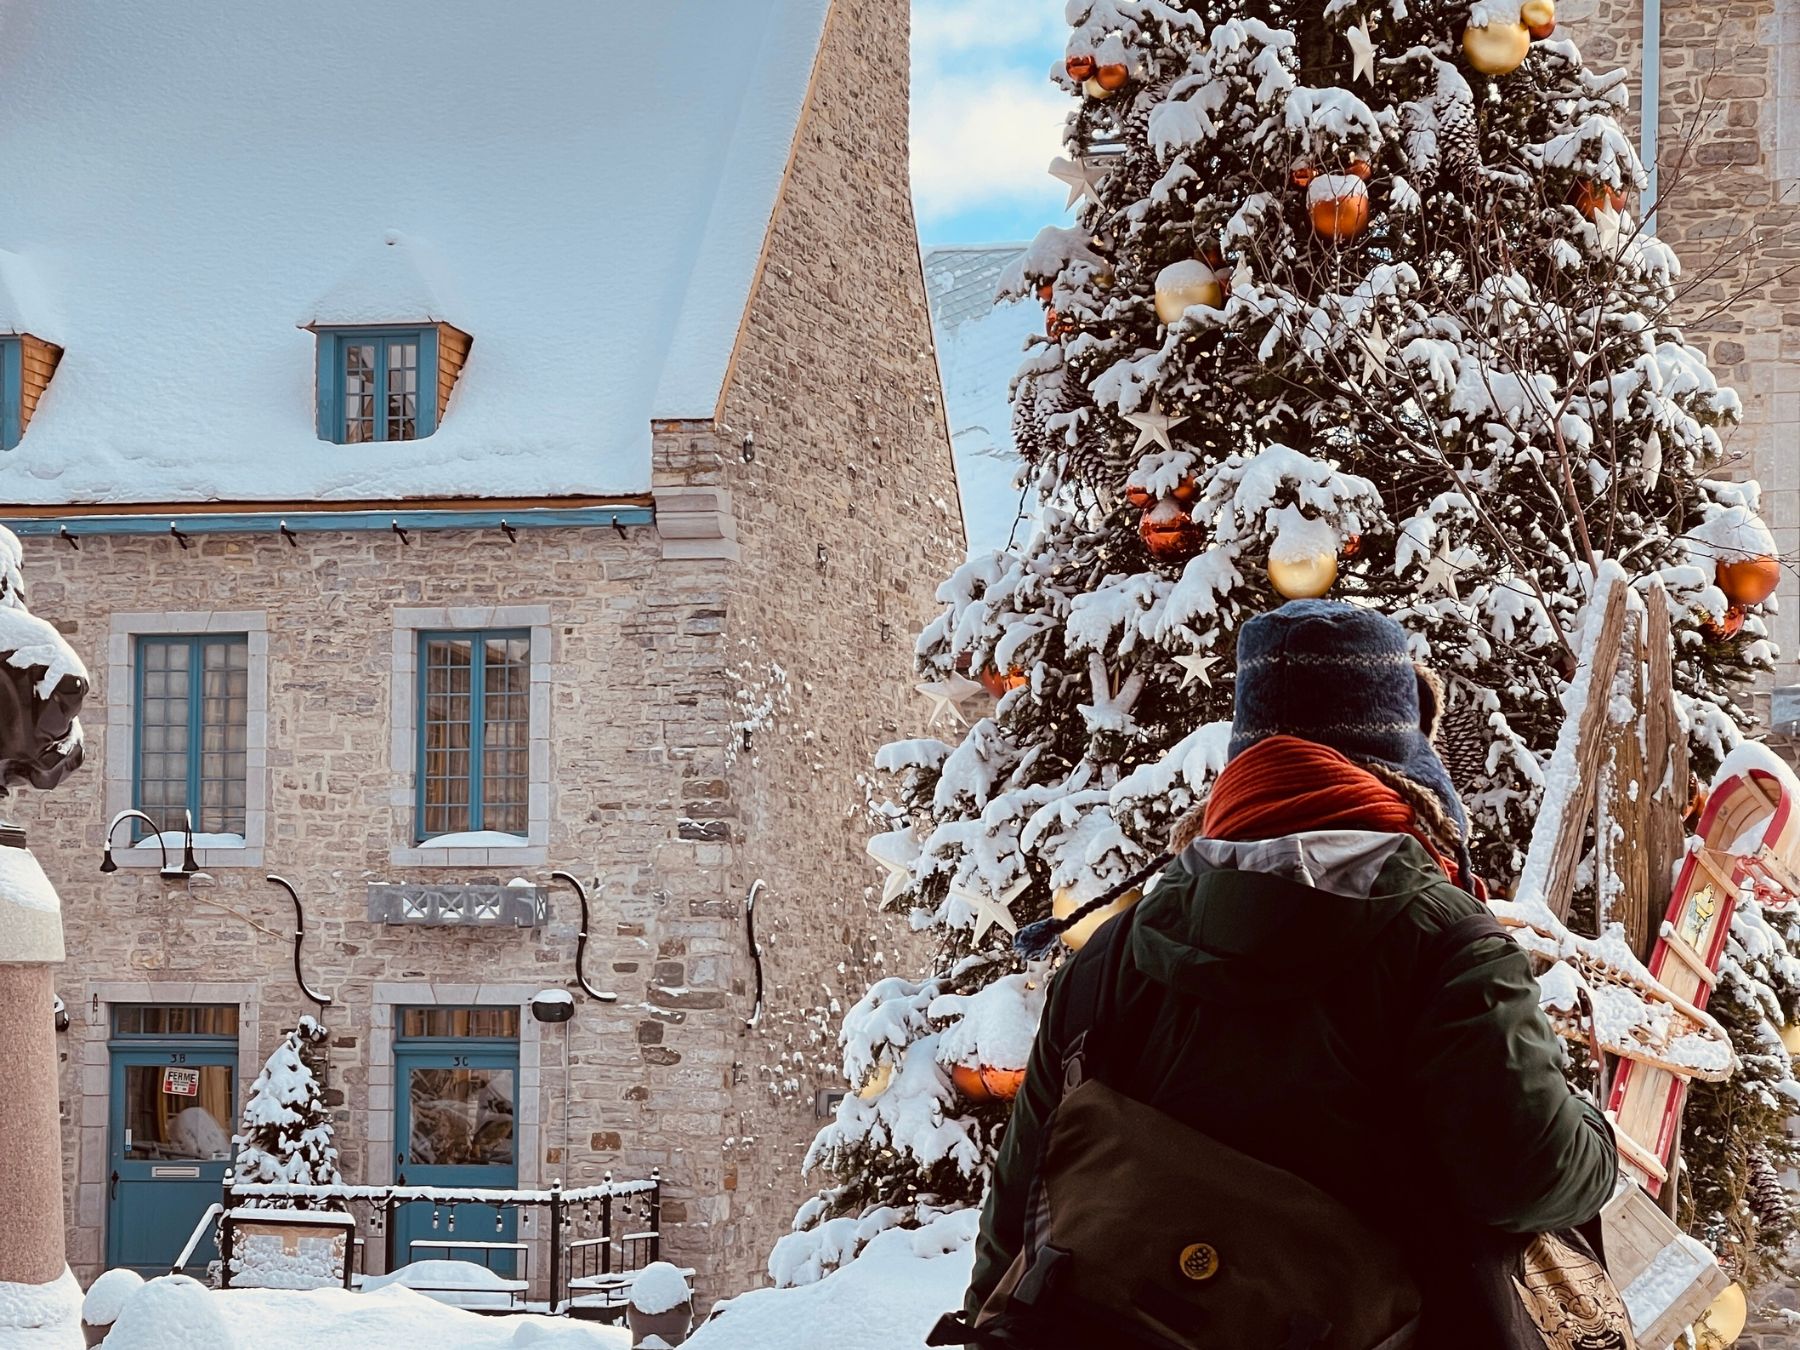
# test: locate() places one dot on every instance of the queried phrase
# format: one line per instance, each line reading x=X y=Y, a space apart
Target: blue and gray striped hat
x=1342 y=676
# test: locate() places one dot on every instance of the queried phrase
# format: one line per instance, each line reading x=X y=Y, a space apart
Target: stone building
x=468 y=444
x=1723 y=83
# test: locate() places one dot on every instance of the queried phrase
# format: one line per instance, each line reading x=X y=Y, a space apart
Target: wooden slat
x=1679 y=948
x=1590 y=750
x=38 y=361
x=453 y=351
x=1666 y=767
x=1624 y=809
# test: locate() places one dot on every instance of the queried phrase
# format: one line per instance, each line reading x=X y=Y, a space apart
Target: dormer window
x=26 y=365
x=386 y=384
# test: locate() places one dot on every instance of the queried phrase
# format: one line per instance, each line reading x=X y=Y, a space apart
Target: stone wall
x=711 y=693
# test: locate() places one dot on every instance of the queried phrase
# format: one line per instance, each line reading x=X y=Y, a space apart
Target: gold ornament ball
x=1539 y=17
x=1722 y=1323
x=880 y=1077
x=1065 y=902
x=1303 y=578
x=1094 y=89
x=1496 y=48
x=1184 y=284
x=1790 y=1037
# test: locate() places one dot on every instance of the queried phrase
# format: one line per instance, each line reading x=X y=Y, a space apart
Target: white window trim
x=121 y=727
x=408 y=624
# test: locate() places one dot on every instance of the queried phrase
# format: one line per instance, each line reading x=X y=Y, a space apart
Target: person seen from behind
x=1312 y=987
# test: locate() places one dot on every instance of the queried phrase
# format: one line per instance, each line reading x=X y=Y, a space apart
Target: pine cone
x=1769 y=1201
x=1462 y=743
x=1459 y=141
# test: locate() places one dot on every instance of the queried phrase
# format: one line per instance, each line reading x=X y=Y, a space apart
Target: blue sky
x=986 y=121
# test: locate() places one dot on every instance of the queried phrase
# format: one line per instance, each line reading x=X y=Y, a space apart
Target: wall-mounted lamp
x=188 y=865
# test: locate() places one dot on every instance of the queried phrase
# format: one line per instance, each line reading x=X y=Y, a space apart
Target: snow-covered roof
x=586 y=194
x=980 y=346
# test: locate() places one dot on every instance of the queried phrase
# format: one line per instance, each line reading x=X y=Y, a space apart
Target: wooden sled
x=1749 y=836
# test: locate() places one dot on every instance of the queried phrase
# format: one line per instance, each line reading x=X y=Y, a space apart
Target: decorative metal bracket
x=299 y=937
x=755 y=951
x=581 y=941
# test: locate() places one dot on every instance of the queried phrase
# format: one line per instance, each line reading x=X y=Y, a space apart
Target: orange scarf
x=1286 y=785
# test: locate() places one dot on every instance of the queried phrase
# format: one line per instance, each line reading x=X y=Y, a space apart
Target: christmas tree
x=1357 y=303
x=286 y=1136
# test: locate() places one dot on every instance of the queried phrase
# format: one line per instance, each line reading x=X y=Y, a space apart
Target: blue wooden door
x=173 y=1108
x=456 y=1126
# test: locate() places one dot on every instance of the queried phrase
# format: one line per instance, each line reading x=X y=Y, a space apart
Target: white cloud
x=986 y=121
x=978 y=139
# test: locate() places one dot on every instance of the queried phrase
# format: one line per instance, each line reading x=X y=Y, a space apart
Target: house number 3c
x=460 y=1061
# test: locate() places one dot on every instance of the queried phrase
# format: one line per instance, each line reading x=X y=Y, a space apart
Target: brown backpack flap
x=1187 y=1243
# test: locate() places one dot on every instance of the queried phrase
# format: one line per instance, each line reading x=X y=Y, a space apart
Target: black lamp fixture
x=188 y=864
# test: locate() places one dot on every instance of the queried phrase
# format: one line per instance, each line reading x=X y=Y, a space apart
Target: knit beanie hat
x=1342 y=676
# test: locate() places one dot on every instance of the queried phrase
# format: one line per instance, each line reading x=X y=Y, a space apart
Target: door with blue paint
x=456 y=1078
x=174 y=1070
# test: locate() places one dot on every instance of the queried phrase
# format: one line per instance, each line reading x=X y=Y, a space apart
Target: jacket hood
x=1244 y=922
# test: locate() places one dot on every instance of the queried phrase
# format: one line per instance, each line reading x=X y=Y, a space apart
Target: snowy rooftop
x=980 y=346
x=585 y=195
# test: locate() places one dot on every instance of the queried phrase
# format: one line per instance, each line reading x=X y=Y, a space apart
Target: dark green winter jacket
x=1294 y=1022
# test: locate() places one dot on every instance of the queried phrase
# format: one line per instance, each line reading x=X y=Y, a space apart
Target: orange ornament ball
x=1723 y=630
x=1112 y=77
x=1047 y=292
x=1169 y=532
x=1352 y=545
x=1140 y=497
x=999 y=685
x=1079 y=67
x=1593 y=198
x=1539 y=18
x=1187 y=491
x=987 y=1084
x=1303 y=175
x=1359 y=168
x=1749 y=581
x=1338 y=215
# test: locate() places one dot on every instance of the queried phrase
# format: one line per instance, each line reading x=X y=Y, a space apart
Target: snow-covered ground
x=886 y=1299
x=176 y=1313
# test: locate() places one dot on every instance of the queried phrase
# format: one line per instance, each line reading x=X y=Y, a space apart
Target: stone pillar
x=31 y=1239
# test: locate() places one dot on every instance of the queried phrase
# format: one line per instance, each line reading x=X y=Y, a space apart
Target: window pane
x=224 y=735
x=448 y=684
x=359 y=392
x=460 y=1117
x=402 y=390
x=175 y=1019
x=493 y=1023
x=180 y=1111
x=506 y=734
x=163 y=732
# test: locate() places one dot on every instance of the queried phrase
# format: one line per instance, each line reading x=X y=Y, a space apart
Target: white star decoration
x=1375 y=352
x=1607 y=225
x=899 y=873
x=947 y=695
x=1079 y=174
x=1153 y=426
x=992 y=909
x=1440 y=574
x=1362 y=53
x=1196 y=667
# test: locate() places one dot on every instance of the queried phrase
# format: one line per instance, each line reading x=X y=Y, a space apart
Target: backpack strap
x=1442 y=948
x=1085 y=1001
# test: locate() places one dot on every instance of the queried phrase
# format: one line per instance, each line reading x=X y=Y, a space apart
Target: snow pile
x=993 y=1027
x=107 y=1295
x=278 y=1260
x=177 y=1313
x=459 y=1284
x=659 y=1288
x=887 y=1299
x=41 y=1316
x=588 y=320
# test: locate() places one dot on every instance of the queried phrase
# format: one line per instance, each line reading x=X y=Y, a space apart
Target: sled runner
x=1748 y=836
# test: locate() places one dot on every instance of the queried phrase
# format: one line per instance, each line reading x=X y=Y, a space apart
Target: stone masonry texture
x=710 y=723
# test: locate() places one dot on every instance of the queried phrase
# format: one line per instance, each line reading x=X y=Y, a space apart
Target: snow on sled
x=1748 y=839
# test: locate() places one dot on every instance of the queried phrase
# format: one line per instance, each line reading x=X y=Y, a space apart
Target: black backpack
x=1143 y=1233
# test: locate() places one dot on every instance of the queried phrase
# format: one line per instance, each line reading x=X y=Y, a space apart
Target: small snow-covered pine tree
x=286 y=1134
x=1355 y=297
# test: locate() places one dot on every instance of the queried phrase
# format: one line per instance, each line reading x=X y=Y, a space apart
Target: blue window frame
x=12 y=382
x=192 y=731
x=377 y=384
x=474 y=770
